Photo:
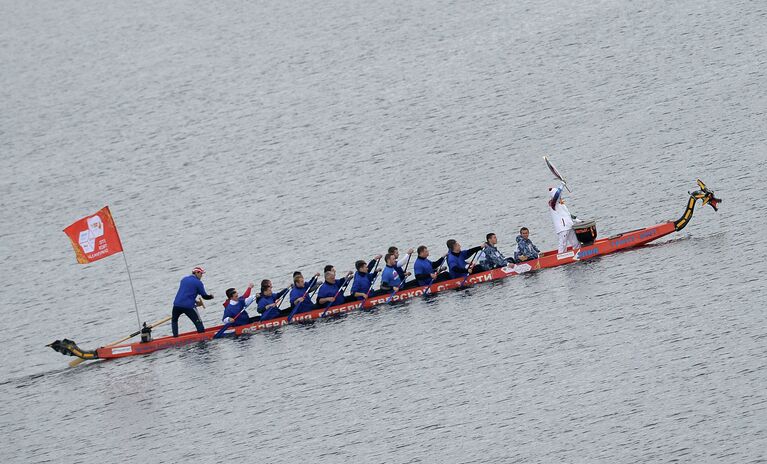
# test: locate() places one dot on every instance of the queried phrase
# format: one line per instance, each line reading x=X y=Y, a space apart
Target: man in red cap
x=186 y=299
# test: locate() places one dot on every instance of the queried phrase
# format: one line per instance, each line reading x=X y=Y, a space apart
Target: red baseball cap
x=198 y=269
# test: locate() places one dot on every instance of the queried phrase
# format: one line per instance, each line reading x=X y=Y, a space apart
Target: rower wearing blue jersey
x=300 y=296
x=267 y=303
x=390 y=278
x=364 y=277
x=456 y=260
x=400 y=263
x=244 y=295
x=426 y=271
x=186 y=299
x=328 y=294
x=235 y=313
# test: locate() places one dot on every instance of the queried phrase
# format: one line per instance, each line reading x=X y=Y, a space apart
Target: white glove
x=228 y=320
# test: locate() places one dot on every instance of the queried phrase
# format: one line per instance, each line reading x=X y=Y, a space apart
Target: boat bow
x=706 y=197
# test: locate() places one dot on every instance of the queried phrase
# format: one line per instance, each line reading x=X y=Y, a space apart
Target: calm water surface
x=257 y=138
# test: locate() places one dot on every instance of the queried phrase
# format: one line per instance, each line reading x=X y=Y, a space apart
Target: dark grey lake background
x=257 y=138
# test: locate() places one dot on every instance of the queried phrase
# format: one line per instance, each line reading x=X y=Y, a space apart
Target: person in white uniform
x=563 y=221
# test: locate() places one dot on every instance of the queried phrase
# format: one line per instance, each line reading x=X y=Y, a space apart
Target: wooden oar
x=340 y=289
x=404 y=278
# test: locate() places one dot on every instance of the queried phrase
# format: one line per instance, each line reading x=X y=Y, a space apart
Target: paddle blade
x=221 y=332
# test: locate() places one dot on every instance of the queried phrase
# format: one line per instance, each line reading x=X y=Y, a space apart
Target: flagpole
x=135 y=305
x=127 y=268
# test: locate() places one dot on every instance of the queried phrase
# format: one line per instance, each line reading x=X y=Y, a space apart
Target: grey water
x=258 y=138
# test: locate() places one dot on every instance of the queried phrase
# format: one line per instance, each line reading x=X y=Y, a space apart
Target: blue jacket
x=329 y=290
x=390 y=278
x=491 y=257
x=456 y=262
x=423 y=268
x=363 y=282
x=526 y=247
x=296 y=293
x=188 y=290
x=264 y=301
x=233 y=310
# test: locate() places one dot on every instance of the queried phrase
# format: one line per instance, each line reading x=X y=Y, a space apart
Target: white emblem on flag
x=88 y=237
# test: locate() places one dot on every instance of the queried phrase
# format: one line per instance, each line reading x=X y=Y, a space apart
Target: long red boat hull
x=547 y=259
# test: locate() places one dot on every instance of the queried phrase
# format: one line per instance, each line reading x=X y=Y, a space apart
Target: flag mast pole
x=135 y=305
x=127 y=268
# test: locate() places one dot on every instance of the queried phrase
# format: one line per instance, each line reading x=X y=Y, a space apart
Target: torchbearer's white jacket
x=560 y=215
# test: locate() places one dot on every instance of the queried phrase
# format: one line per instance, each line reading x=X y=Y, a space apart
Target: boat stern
x=69 y=348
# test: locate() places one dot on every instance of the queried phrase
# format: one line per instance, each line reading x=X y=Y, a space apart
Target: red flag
x=94 y=237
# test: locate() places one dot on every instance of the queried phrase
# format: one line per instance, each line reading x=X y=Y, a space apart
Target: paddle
x=221 y=331
x=556 y=173
x=438 y=271
x=469 y=268
x=308 y=287
x=371 y=287
x=404 y=270
x=340 y=289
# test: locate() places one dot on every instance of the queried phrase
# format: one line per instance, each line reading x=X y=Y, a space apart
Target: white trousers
x=567 y=238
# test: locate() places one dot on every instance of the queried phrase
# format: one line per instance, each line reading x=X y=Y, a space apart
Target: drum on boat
x=586 y=231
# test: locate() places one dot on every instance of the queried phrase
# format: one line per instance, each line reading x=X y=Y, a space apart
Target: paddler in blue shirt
x=244 y=295
x=426 y=270
x=390 y=278
x=300 y=288
x=235 y=312
x=186 y=299
x=267 y=303
x=329 y=294
x=364 y=278
x=400 y=262
x=456 y=259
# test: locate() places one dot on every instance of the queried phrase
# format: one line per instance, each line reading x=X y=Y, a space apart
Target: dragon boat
x=548 y=259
